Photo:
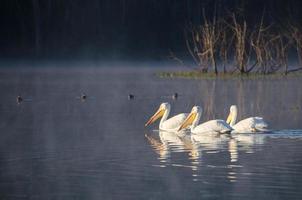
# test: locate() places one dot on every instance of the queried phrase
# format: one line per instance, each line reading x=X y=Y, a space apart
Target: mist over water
x=78 y=83
x=55 y=145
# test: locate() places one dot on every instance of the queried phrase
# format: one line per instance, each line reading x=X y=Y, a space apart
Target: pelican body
x=212 y=126
x=172 y=124
x=248 y=125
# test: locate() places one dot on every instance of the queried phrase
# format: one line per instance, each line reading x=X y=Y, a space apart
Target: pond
x=56 y=145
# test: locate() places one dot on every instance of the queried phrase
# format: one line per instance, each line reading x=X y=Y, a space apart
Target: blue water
x=53 y=145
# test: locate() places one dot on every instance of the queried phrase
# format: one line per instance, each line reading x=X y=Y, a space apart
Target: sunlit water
x=55 y=146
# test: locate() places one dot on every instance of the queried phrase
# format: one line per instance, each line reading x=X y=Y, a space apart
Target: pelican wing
x=212 y=126
x=174 y=122
x=260 y=124
x=251 y=124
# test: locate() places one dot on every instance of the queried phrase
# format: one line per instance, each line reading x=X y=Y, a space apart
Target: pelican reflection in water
x=197 y=148
x=164 y=143
x=207 y=144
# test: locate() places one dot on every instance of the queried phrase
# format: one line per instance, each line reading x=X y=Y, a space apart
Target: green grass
x=212 y=75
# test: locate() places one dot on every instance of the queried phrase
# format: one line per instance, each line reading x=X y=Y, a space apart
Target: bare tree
x=261 y=49
x=259 y=44
x=296 y=35
x=240 y=33
x=202 y=44
x=223 y=53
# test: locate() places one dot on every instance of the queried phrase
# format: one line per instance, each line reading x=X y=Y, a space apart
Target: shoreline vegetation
x=241 y=48
x=221 y=75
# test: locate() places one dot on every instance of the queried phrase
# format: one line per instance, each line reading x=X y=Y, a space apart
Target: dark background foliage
x=123 y=29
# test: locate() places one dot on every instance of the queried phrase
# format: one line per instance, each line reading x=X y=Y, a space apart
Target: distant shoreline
x=222 y=75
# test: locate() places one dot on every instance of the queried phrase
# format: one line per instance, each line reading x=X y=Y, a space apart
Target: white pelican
x=212 y=126
x=165 y=124
x=248 y=125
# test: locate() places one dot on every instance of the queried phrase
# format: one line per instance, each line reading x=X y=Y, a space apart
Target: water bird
x=212 y=126
x=19 y=99
x=130 y=96
x=171 y=124
x=248 y=125
x=83 y=97
x=175 y=96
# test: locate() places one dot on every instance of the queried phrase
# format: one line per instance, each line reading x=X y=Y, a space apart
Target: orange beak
x=188 y=121
x=157 y=115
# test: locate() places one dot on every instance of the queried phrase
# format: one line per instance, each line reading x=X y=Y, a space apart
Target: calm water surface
x=55 y=146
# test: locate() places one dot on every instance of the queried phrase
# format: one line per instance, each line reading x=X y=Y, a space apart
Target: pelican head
x=192 y=118
x=233 y=115
x=163 y=108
